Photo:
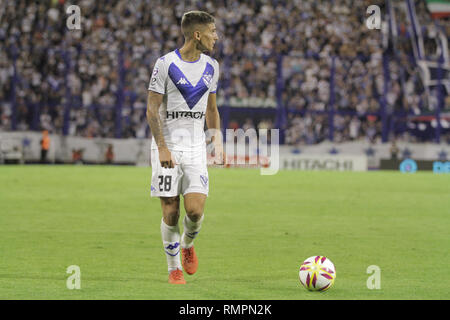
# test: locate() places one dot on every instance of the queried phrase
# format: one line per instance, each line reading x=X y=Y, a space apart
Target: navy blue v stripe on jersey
x=190 y=93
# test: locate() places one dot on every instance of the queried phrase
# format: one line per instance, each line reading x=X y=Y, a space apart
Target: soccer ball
x=317 y=273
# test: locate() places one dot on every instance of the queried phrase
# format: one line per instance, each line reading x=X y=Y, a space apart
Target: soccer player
x=182 y=95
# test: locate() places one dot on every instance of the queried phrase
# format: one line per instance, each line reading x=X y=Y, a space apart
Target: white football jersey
x=186 y=87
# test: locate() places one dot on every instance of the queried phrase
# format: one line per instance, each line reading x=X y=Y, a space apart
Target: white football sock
x=171 y=242
x=190 y=231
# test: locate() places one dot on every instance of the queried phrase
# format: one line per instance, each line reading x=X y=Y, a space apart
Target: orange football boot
x=176 y=277
x=189 y=260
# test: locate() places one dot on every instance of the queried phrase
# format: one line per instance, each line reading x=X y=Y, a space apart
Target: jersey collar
x=179 y=56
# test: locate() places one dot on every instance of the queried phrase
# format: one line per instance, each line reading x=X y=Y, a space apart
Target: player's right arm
x=154 y=101
x=156 y=91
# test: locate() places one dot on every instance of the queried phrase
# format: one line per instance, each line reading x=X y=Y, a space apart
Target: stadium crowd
x=271 y=52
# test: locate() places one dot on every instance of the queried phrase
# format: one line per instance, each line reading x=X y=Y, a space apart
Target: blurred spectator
x=394 y=150
x=248 y=124
x=77 y=156
x=109 y=155
x=45 y=146
x=233 y=124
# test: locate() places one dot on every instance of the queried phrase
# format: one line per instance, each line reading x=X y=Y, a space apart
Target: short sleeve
x=159 y=76
x=215 y=80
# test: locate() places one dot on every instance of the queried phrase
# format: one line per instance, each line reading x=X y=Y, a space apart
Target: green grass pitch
x=257 y=231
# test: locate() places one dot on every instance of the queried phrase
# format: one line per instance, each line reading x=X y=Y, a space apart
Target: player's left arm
x=213 y=123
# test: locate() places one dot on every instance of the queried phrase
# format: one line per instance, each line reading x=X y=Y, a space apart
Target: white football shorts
x=190 y=175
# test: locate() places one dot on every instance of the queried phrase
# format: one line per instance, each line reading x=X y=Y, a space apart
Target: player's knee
x=195 y=214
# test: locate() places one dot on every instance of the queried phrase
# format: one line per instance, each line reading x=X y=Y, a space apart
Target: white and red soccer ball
x=317 y=273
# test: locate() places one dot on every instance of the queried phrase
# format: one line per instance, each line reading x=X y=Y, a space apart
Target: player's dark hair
x=192 y=18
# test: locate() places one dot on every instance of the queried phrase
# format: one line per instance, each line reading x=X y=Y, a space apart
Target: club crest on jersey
x=207 y=79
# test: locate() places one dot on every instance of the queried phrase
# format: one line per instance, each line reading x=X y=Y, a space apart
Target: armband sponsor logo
x=184 y=114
